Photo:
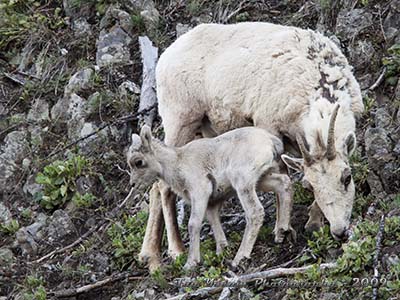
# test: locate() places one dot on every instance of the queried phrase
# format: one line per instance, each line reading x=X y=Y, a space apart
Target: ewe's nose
x=339 y=234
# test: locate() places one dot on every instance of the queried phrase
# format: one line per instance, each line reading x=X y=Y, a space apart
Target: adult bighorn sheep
x=207 y=171
x=287 y=80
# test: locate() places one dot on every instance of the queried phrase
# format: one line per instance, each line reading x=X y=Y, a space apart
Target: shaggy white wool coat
x=288 y=80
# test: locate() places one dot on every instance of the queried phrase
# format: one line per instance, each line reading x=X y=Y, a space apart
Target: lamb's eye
x=139 y=163
x=347 y=180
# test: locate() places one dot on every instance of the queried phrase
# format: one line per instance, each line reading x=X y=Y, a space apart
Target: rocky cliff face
x=69 y=68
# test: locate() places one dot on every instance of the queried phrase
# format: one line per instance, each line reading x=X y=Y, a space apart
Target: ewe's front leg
x=213 y=217
x=254 y=212
x=168 y=200
x=316 y=218
x=281 y=185
x=151 y=247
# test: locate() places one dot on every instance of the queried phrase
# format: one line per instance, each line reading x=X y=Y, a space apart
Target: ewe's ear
x=293 y=163
x=146 y=137
x=350 y=144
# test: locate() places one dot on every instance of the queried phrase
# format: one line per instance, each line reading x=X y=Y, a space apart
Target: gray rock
x=113 y=48
x=60 y=227
x=100 y=262
x=378 y=147
x=78 y=81
x=28 y=238
x=115 y=16
x=128 y=87
x=39 y=111
x=12 y=153
x=81 y=27
x=390 y=177
x=31 y=188
x=361 y=54
x=5 y=214
x=351 y=23
x=147 y=10
x=375 y=184
x=382 y=118
x=182 y=29
x=391 y=24
x=36 y=133
x=7 y=258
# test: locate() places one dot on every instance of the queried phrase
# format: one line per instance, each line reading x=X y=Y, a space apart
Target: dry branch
x=378 y=81
x=148 y=96
x=86 y=288
x=203 y=293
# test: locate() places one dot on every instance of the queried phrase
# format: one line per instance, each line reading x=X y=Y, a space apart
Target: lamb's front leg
x=168 y=198
x=198 y=209
x=254 y=212
x=282 y=186
x=213 y=217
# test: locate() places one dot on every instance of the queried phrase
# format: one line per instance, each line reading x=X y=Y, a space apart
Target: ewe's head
x=329 y=177
x=143 y=166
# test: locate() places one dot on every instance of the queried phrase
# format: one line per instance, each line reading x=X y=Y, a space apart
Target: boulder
x=351 y=23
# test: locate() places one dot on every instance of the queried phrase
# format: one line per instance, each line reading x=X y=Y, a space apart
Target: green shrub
x=59 y=182
x=10 y=227
x=392 y=63
x=127 y=237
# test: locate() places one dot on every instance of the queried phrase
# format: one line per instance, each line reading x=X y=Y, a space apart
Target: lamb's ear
x=350 y=144
x=293 y=163
x=146 y=137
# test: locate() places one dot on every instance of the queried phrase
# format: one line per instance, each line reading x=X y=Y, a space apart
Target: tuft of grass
x=34 y=288
x=10 y=227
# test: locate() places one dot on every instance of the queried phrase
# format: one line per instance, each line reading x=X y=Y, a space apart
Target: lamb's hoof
x=288 y=234
x=239 y=266
x=190 y=265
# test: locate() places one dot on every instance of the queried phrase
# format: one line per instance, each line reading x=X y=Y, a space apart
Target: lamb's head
x=144 y=167
x=329 y=177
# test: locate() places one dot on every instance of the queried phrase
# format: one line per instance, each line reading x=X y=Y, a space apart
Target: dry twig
x=379 y=237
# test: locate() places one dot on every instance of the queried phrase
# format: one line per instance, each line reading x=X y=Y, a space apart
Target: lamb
x=207 y=171
x=292 y=82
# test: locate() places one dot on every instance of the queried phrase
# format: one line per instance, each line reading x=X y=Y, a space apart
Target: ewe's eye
x=139 y=163
x=346 y=177
x=307 y=185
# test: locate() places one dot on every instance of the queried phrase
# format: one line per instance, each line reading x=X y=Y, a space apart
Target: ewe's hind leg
x=282 y=186
x=151 y=247
x=213 y=217
x=316 y=218
x=254 y=213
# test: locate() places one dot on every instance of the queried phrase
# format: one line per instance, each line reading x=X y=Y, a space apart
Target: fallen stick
x=148 y=97
x=199 y=294
x=86 y=288
x=379 y=80
x=280 y=272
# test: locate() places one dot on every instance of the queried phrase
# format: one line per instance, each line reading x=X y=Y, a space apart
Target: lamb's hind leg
x=281 y=185
x=213 y=217
x=254 y=213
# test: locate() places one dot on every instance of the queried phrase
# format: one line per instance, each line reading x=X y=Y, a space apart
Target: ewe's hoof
x=174 y=253
x=153 y=262
x=190 y=265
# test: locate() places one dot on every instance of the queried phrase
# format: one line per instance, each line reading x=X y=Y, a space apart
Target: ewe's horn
x=304 y=152
x=331 y=149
